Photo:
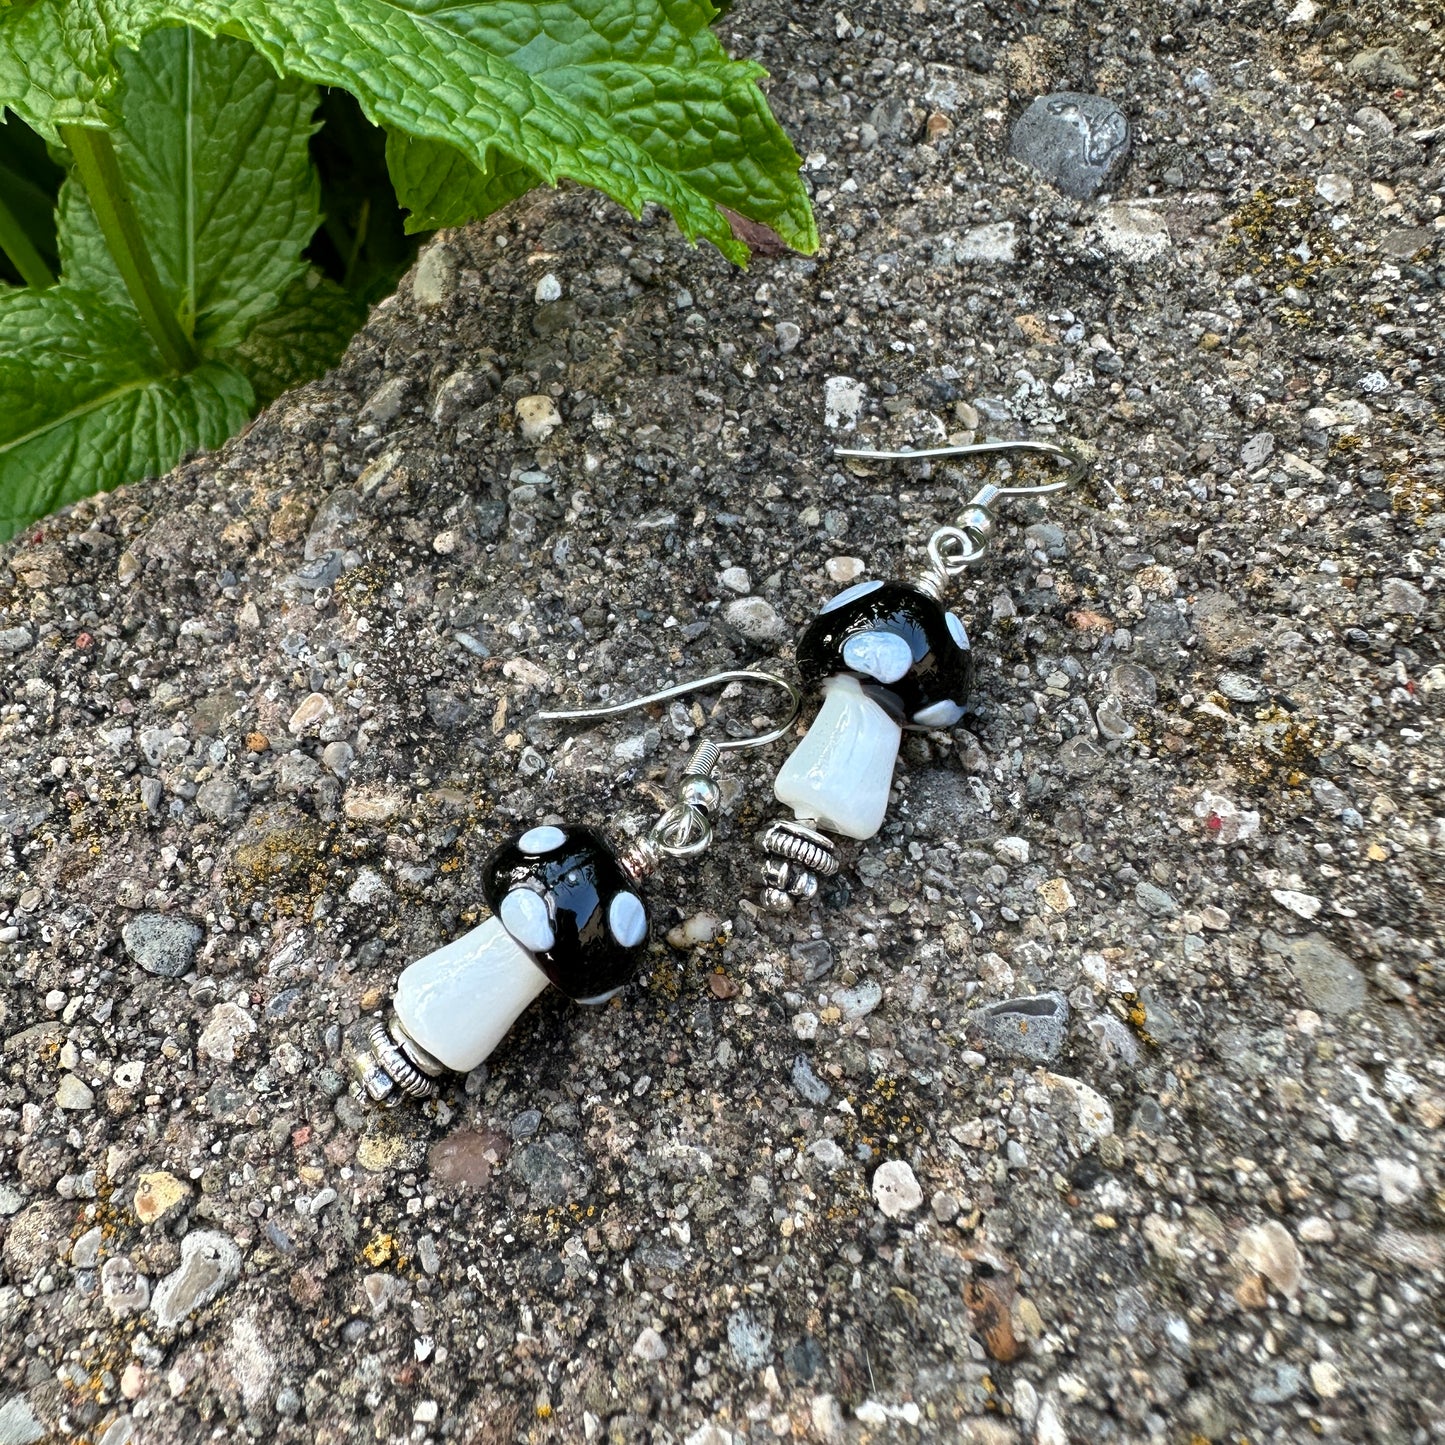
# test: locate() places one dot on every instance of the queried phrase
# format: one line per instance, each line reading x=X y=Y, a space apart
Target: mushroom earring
x=567 y=909
x=885 y=656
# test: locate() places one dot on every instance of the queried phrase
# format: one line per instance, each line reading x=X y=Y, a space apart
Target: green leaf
x=439 y=186
x=213 y=148
x=85 y=406
x=652 y=71
x=633 y=97
x=55 y=62
x=305 y=336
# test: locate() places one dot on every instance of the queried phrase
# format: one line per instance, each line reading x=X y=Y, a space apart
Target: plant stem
x=20 y=251
x=99 y=170
x=348 y=280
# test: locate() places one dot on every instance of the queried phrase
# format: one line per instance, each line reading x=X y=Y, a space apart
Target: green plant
x=177 y=276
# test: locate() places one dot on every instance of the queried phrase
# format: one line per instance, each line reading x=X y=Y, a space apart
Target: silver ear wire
x=701 y=684
x=685 y=829
x=953 y=550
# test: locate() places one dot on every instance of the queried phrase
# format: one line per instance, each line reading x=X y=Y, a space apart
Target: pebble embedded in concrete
x=210 y=1264
x=1077 y=142
x=162 y=944
x=895 y=1189
x=537 y=418
x=756 y=621
x=1033 y=1027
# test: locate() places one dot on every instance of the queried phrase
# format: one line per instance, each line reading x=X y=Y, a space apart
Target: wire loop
x=952 y=550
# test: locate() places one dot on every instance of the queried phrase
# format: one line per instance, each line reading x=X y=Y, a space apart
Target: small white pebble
x=1326 y=1380
x=700 y=928
x=843 y=569
x=55 y=1000
x=649 y=1345
x=1306 y=905
x=537 y=417
x=895 y=1189
x=1399 y=1181
x=736 y=579
x=805 y=1026
x=445 y=542
x=549 y=288
x=1011 y=850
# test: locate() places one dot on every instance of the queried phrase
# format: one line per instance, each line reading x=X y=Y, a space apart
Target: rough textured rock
x=1076 y=142
x=162 y=944
x=1172 y=664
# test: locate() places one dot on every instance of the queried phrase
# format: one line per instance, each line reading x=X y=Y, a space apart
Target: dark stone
x=550 y=1178
x=446 y=709
x=491 y=520
x=816 y=958
x=1329 y=981
x=937 y=668
x=224 y=1101
x=1161 y=1024
x=280 y=1240
x=555 y=318
x=162 y=943
x=1149 y=1118
x=656 y=1255
x=525 y=1124
x=284 y=1004
x=1076 y=142
x=804 y=1359
x=1155 y=901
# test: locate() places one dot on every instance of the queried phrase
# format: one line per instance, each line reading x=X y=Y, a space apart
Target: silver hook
x=952 y=550
x=681 y=689
x=685 y=829
x=1078 y=467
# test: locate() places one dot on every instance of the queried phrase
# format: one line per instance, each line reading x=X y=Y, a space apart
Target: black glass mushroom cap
x=563 y=896
x=908 y=654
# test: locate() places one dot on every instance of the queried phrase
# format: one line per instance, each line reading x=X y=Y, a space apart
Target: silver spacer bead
x=389 y=1065
x=787 y=877
x=798 y=855
x=800 y=844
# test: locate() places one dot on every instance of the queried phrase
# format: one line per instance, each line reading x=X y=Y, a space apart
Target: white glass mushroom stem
x=459 y=1002
x=839 y=775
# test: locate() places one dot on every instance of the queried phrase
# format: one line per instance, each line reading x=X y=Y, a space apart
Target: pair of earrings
x=567 y=908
